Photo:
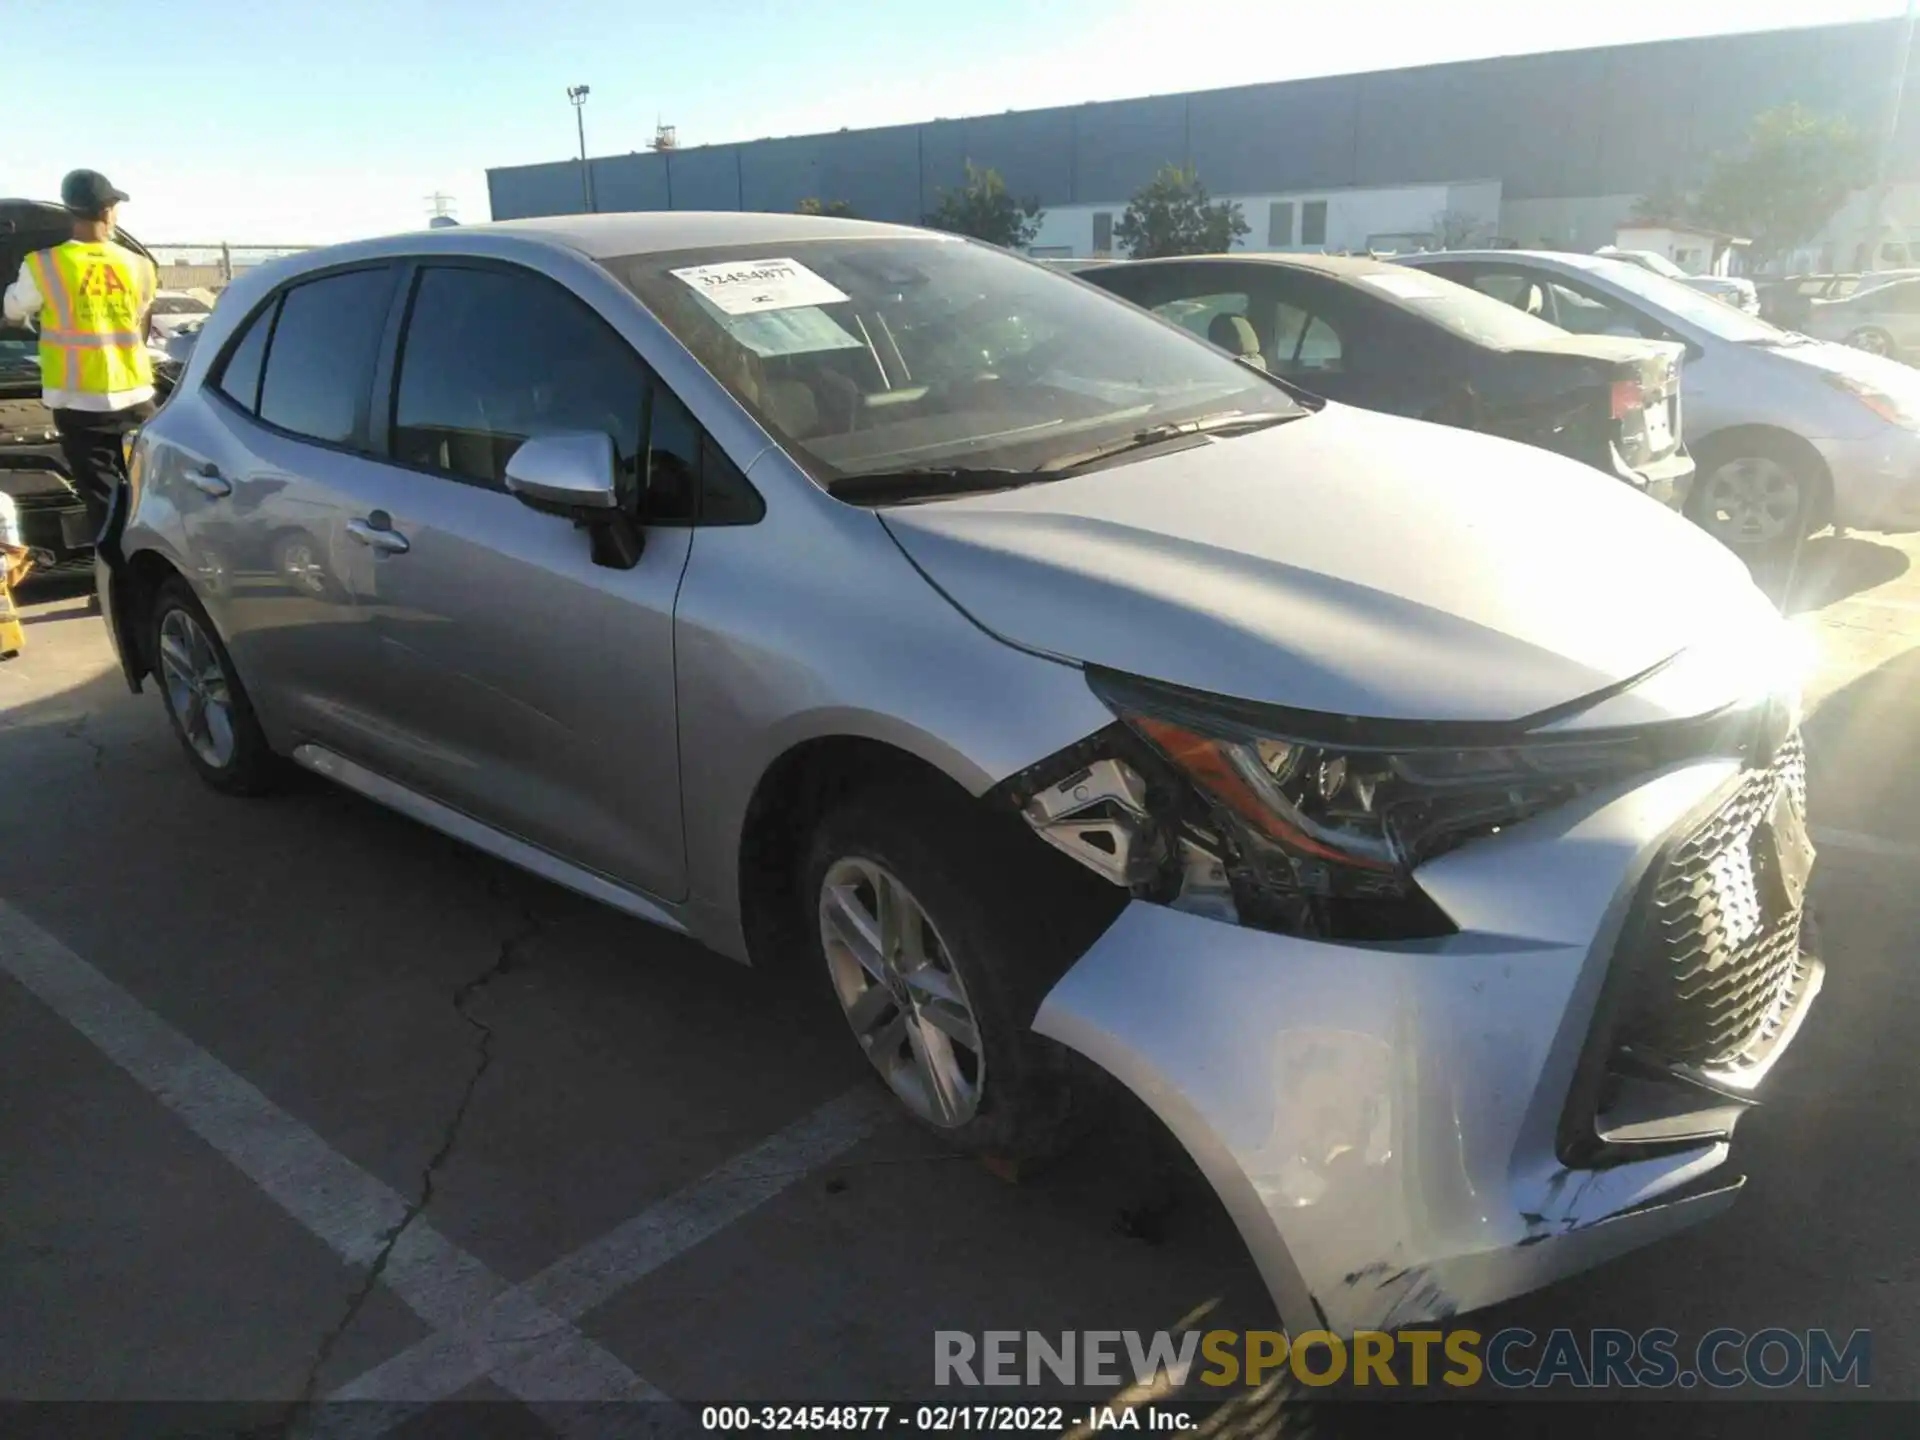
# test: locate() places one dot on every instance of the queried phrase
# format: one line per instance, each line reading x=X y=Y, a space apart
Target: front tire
x=938 y=947
x=208 y=706
x=1756 y=499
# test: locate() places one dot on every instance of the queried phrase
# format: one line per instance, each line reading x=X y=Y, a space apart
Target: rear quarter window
x=239 y=378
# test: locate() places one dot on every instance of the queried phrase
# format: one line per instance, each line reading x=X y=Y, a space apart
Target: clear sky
x=321 y=120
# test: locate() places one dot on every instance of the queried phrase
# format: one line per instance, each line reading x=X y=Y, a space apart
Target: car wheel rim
x=197 y=690
x=896 y=981
x=1871 y=341
x=1752 y=501
x=302 y=568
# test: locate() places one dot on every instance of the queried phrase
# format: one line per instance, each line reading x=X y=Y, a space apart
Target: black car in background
x=53 y=521
x=1388 y=338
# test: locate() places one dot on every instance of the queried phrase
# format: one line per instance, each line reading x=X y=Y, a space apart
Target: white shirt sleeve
x=23 y=301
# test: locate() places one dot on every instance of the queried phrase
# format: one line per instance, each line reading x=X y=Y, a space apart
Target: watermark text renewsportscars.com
x=1510 y=1359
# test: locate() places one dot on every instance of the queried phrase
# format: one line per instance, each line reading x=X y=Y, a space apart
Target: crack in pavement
x=76 y=729
x=532 y=924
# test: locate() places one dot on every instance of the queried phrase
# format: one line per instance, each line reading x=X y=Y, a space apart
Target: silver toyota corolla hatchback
x=1413 y=820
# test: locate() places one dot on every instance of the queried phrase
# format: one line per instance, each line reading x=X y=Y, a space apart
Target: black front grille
x=1723 y=947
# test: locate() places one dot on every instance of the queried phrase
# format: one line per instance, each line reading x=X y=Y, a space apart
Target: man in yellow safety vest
x=92 y=300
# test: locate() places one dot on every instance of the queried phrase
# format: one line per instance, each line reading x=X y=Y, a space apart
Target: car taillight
x=1627 y=398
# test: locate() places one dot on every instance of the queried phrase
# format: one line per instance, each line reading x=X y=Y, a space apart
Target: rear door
x=507 y=674
x=262 y=472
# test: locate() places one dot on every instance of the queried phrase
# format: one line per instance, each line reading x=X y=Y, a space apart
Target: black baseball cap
x=89 y=193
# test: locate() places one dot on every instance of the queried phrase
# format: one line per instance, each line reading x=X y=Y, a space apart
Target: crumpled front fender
x=1380 y=1119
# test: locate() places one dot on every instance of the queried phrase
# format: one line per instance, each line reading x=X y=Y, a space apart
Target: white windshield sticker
x=790 y=332
x=748 y=287
x=1407 y=287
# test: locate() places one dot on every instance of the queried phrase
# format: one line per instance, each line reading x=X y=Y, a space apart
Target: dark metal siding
x=1614 y=121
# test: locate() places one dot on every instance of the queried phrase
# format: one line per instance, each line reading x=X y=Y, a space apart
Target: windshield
x=178 y=305
x=1683 y=302
x=1463 y=310
x=869 y=355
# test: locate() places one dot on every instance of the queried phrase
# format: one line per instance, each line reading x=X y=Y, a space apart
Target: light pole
x=578 y=95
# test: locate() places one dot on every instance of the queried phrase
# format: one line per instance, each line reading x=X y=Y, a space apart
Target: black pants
x=91 y=441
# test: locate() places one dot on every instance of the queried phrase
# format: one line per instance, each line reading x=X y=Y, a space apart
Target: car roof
x=643 y=232
x=1334 y=265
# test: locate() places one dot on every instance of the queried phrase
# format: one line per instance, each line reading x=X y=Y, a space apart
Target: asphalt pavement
x=303 y=1101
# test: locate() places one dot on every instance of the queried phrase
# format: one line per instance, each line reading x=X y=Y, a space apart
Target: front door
x=508 y=675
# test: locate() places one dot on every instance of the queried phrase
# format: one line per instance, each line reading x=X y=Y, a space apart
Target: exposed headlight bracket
x=1099 y=816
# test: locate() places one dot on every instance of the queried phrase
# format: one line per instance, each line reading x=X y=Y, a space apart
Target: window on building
x=1313 y=223
x=1103 y=232
x=1280 y=223
x=493 y=357
x=320 y=363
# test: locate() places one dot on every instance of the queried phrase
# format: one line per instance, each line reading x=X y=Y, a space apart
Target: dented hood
x=1348 y=563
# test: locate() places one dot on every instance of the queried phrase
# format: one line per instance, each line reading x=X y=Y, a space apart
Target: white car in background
x=175 y=310
x=1739 y=293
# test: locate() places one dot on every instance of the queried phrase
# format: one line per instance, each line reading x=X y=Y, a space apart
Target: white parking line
x=515 y=1335
x=493 y=1339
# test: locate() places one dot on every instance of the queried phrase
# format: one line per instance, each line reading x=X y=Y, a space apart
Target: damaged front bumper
x=1409 y=1129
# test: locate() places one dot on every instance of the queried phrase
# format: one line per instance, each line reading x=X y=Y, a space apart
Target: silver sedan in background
x=1414 y=820
x=1881 y=320
x=1790 y=434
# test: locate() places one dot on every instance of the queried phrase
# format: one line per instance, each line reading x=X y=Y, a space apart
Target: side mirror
x=576 y=475
x=572 y=474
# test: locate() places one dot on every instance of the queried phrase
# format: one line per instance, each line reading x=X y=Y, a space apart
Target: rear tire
x=938 y=945
x=1873 y=340
x=208 y=706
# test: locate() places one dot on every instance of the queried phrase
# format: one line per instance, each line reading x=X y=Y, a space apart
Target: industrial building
x=1550 y=149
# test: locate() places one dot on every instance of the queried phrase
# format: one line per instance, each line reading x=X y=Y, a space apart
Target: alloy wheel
x=196 y=686
x=1752 y=500
x=896 y=981
x=1874 y=342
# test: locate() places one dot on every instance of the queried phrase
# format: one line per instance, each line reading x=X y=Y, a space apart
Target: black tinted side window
x=726 y=496
x=673 y=458
x=493 y=357
x=321 y=360
x=240 y=377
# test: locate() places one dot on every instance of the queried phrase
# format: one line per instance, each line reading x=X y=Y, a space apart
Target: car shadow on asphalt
x=1827 y=568
x=1860 y=744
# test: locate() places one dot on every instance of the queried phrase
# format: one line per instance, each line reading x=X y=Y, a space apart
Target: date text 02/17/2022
x=935 y=1419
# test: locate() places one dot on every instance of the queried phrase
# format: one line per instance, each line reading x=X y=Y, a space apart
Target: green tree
x=838 y=209
x=985 y=209
x=1171 y=215
x=1459 y=229
x=1795 y=171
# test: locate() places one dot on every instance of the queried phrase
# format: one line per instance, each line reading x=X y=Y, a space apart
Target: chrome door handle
x=210 y=482
x=380 y=537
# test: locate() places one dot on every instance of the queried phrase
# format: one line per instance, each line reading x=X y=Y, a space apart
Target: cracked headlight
x=1315 y=813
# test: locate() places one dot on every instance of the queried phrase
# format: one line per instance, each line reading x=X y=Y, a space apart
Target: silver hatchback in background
x=1043 y=680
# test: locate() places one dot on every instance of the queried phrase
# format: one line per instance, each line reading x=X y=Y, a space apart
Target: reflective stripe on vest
x=95 y=296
